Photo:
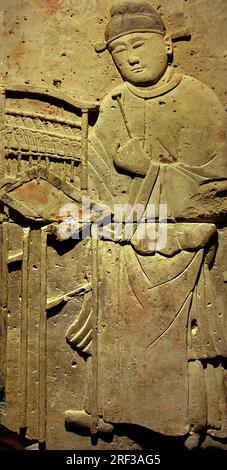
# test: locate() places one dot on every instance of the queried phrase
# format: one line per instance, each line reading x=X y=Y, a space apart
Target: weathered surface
x=60 y=34
x=144 y=310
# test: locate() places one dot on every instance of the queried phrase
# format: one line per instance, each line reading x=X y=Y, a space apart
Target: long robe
x=157 y=316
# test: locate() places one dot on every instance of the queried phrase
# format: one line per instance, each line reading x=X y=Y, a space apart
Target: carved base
x=82 y=420
x=219 y=434
x=192 y=442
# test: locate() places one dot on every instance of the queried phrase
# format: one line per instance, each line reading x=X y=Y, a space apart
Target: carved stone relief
x=113 y=234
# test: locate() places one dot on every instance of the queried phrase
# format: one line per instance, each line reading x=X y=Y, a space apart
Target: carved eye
x=137 y=44
x=119 y=49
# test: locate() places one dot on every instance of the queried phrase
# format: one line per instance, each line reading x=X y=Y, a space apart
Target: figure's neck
x=149 y=87
x=168 y=81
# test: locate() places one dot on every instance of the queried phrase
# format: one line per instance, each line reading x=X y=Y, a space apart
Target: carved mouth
x=137 y=69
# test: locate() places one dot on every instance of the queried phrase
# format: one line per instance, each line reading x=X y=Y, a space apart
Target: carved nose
x=133 y=59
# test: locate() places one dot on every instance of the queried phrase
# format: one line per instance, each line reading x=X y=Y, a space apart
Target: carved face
x=141 y=58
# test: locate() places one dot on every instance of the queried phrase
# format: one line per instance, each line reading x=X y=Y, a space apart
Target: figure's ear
x=169 y=47
x=100 y=47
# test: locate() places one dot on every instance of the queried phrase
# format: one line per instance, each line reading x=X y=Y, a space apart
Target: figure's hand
x=132 y=158
x=79 y=333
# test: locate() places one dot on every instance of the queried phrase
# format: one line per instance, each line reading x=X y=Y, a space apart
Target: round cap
x=129 y=16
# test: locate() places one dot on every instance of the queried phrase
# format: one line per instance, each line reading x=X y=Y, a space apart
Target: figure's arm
x=205 y=130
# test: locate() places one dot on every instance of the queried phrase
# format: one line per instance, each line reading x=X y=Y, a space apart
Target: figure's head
x=136 y=38
x=141 y=58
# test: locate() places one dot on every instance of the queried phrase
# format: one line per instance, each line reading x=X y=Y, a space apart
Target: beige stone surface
x=113 y=343
x=61 y=33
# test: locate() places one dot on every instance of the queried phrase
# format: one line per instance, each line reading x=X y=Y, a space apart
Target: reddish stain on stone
x=46 y=107
x=169 y=159
x=222 y=134
x=51 y=6
x=32 y=190
x=18 y=51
